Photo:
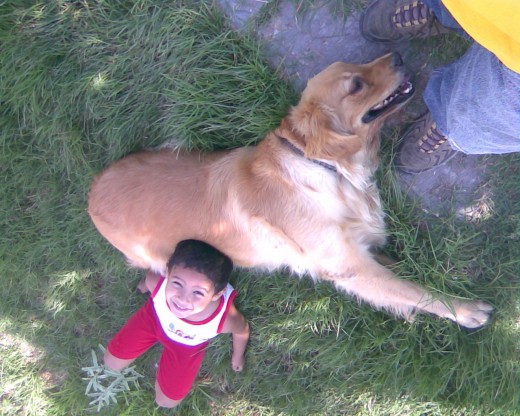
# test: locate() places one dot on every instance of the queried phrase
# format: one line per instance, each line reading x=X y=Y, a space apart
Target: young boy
x=193 y=304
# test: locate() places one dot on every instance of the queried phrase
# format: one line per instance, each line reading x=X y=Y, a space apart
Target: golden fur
x=267 y=206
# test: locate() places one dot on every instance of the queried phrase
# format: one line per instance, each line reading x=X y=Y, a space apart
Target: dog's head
x=342 y=108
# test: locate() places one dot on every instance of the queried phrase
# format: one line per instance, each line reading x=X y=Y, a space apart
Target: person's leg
x=132 y=340
x=474 y=107
x=116 y=364
x=476 y=103
x=178 y=368
x=443 y=15
x=162 y=399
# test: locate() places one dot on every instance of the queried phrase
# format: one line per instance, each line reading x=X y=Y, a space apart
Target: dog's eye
x=356 y=85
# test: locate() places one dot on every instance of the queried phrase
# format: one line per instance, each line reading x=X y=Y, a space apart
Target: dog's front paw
x=473 y=314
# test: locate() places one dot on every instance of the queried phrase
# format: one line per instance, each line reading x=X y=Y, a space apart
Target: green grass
x=304 y=9
x=83 y=84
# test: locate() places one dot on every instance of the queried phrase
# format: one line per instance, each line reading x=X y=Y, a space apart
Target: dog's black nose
x=396 y=59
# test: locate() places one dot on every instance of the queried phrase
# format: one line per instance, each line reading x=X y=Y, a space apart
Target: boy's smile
x=190 y=294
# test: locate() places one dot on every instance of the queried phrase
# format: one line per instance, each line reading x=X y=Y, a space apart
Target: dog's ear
x=324 y=133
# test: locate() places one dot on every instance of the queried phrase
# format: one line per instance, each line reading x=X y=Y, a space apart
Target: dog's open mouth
x=402 y=94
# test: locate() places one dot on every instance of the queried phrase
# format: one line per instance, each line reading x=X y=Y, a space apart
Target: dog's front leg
x=369 y=281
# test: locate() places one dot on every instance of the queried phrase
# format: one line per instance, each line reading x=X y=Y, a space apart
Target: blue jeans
x=474 y=101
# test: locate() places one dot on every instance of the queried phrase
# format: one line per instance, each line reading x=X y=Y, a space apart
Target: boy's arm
x=148 y=283
x=236 y=325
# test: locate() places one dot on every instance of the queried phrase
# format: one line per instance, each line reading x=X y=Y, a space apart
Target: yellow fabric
x=494 y=24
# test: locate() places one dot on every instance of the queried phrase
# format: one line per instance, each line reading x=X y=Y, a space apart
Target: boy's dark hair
x=203 y=258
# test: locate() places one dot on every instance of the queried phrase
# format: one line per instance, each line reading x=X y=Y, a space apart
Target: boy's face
x=189 y=292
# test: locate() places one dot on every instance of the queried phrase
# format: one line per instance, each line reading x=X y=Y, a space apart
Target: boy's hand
x=237 y=363
x=141 y=286
x=149 y=282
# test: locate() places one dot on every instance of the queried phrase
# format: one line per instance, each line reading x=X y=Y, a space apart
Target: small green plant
x=104 y=384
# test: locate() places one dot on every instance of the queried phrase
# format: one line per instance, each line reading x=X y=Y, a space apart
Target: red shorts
x=179 y=364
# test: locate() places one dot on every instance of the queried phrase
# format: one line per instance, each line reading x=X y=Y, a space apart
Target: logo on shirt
x=178 y=332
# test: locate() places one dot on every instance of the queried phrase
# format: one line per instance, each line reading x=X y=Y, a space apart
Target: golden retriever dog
x=303 y=198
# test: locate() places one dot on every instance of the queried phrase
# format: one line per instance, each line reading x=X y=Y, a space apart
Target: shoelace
x=432 y=140
x=416 y=13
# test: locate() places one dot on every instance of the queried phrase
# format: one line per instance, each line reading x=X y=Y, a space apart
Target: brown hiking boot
x=423 y=147
x=398 y=20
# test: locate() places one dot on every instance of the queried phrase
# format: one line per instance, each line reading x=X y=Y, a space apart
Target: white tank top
x=189 y=332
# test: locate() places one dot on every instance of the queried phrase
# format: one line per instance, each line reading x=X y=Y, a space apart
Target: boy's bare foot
x=237 y=363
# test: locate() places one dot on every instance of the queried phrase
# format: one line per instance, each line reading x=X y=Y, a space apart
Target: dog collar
x=300 y=153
